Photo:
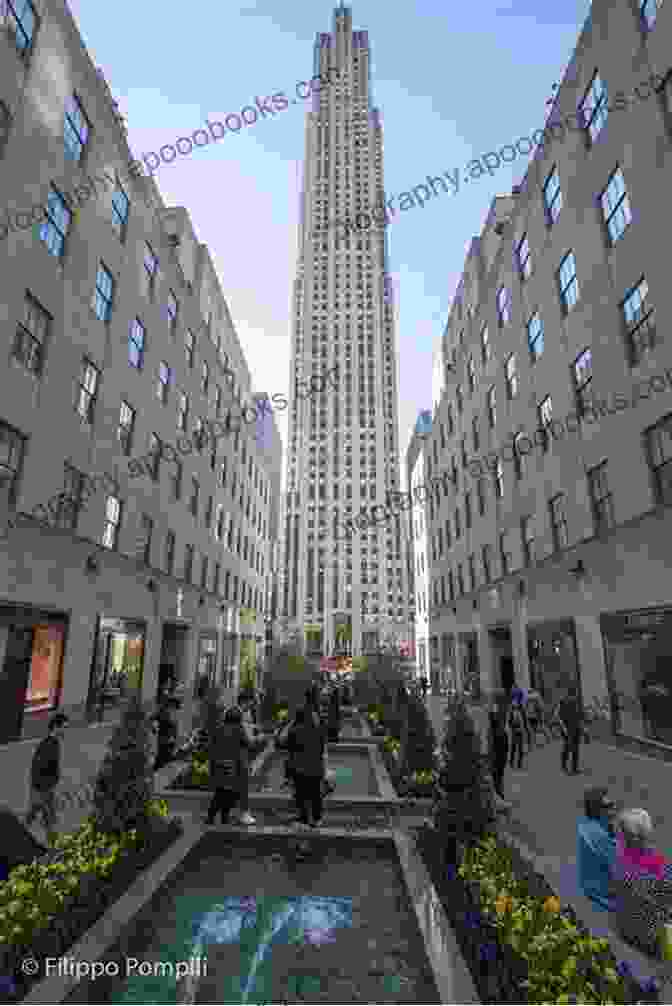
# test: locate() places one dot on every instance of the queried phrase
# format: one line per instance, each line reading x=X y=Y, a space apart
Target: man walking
x=45 y=773
x=571 y=717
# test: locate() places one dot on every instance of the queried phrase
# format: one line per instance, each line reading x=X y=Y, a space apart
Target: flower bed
x=48 y=905
x=519 y=943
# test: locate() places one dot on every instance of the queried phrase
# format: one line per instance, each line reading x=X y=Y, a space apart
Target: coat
x=306 y=747
x=229 y=756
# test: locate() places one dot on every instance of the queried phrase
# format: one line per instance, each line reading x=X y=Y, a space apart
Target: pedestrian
x=572 y=720
x=499 y=741
x=641 y=884
x=229 y=768
x=166 y=731
x=306 y=747
x=45 y=773
x=518 y=727
x=534 y=708
x=596 y=847
x=334 y=717
x=424 y=685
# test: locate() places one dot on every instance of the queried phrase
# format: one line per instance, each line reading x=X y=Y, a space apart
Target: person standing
x=534 y=712
x=166 y=731
x=518 y=727
x=45 y=773
x=571 y=717
x=306 y=748
x=596 y=847
x=334 y=717
x=499 y=742
x=423 y=686
x=229 y=768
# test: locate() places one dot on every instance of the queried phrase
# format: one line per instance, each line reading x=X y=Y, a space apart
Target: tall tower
x=343 y=450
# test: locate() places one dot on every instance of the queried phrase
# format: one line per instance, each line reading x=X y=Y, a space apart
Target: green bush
x=421 y=742
x=124 y=785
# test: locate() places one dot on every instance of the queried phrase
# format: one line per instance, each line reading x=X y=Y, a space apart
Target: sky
x=452 y=82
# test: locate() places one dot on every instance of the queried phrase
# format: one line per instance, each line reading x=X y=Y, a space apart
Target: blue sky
x=452 y=81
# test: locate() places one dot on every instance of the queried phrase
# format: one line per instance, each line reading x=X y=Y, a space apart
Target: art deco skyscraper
x=343 y=449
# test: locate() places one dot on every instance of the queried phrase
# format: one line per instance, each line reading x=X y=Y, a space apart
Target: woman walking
x=499 y=742
x=306 y=754
x=229 y=768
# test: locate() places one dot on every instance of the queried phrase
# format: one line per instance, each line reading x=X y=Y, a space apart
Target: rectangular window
x=535 y=336
x=207 y=519
x=659 y=444
x=523 y=258
x=467 y=510
x=616 y=206
x=193 y=499
x=450 y=421
x=120 y=211
x=519 y=456
x=486 y=558
x=504 y=306
x=567 y=282
x=31 y=335
x=559 y=522
x=155 y=456
x=54 y=230
x=169 y=553
x=511 y=377
x=205 y=378
x=171 y=311
x=176 y=481
x=145 y=539
x=544 y=417
x=104 y=293
x=472 y=572
x=188 y=562
x=126 y=427
x=486 y=350
x=87 y=390
x=136 y=344
x=459 y=399
x=552 y=196
x=640 y=320
x=471 y=374
x=527 y=536
x=21 y=20
x=475 y=435
x=458 y=525
x=648 y=10
x=601 y=499
x=480 y=494
x=492 y=407
x=217 y=574
x=504 y=557
x=151 y=266
x=75 y=129
x=112 y=522
x=182 y=411
x=498 y=478
x=582 y=370
x=593 y=110
x=460 y=579
x=189 y=347
x=163 y=384
x=204 y=572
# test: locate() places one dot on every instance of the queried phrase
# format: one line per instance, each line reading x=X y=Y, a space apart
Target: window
x=207 y=519
x=54 y=230
x=87 y=390
x=193 y=499
x=511 y=377
x=460 y=579
x=559 y=522
x=486 y=558
x=472 y=572
x=475 y=435
x=648 y=10
x=188 y=562
x=593 y=109
x=151 y=266
x=136 y=344
x=552 y=196
x=486 y=349
x=519 y=456
x=217 y=575
x=145 y=539
x=459 y=399
x=601 y=499
x=527 y=536
x=20 y=17
x=155 y=456
x=583 y=380
x=205 y=378
x=535 y=336
x=112 y=522
x=189 y=347
x=523 y=258
x=640 y=320
x=480 y=495
x=219 y=401
x=12 y=445
x=458 y=525
x=204 y=572
x=616 y=206
x=126 y=427
x=569 y=287
x=504 y=556
x=70 y=500
x=503 y=306
x=182 y=411
x=468 y=520
x=498 y=478
x=544 y=418
x=169 y=552
x=171 y=311
x=31 y=335
x=75 y=129
x=104 y=293
x=163 y=384
x=659 y=443
x=471 y=374
x=492 y=406
x=5 y=124
x=120 y=210
x=176 y=480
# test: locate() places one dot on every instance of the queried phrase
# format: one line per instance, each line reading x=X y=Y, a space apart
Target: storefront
x=32 y=646
x=118 y=665
x=638 y=659
x=554 y=664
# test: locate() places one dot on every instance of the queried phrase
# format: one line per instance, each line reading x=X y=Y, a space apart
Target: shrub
x=124 y=785
x=420 y=742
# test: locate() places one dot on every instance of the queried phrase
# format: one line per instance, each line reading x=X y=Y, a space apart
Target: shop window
x=44 y=682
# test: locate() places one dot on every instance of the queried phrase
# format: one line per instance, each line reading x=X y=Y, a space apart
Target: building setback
x=552 y=567
x=343 y=447
x=117 y=340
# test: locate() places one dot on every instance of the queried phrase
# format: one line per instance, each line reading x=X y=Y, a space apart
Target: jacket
x=229 y=756
x=571 y=715
x=45 y=770
x=595 y=857
x=306 y=749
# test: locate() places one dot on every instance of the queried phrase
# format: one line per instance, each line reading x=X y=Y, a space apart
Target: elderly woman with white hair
x=641 y=883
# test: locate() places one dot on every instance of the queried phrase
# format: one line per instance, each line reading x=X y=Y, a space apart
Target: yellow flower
x=503 y=904
x=552 y=905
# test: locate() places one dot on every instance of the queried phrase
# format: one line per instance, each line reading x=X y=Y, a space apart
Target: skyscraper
x=343 y=444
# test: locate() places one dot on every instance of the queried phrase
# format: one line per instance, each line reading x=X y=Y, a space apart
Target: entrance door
x=14 y=681
x=506 y=673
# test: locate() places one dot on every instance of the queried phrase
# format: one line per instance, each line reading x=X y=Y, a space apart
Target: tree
x=418 y=755
x=124 y=784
